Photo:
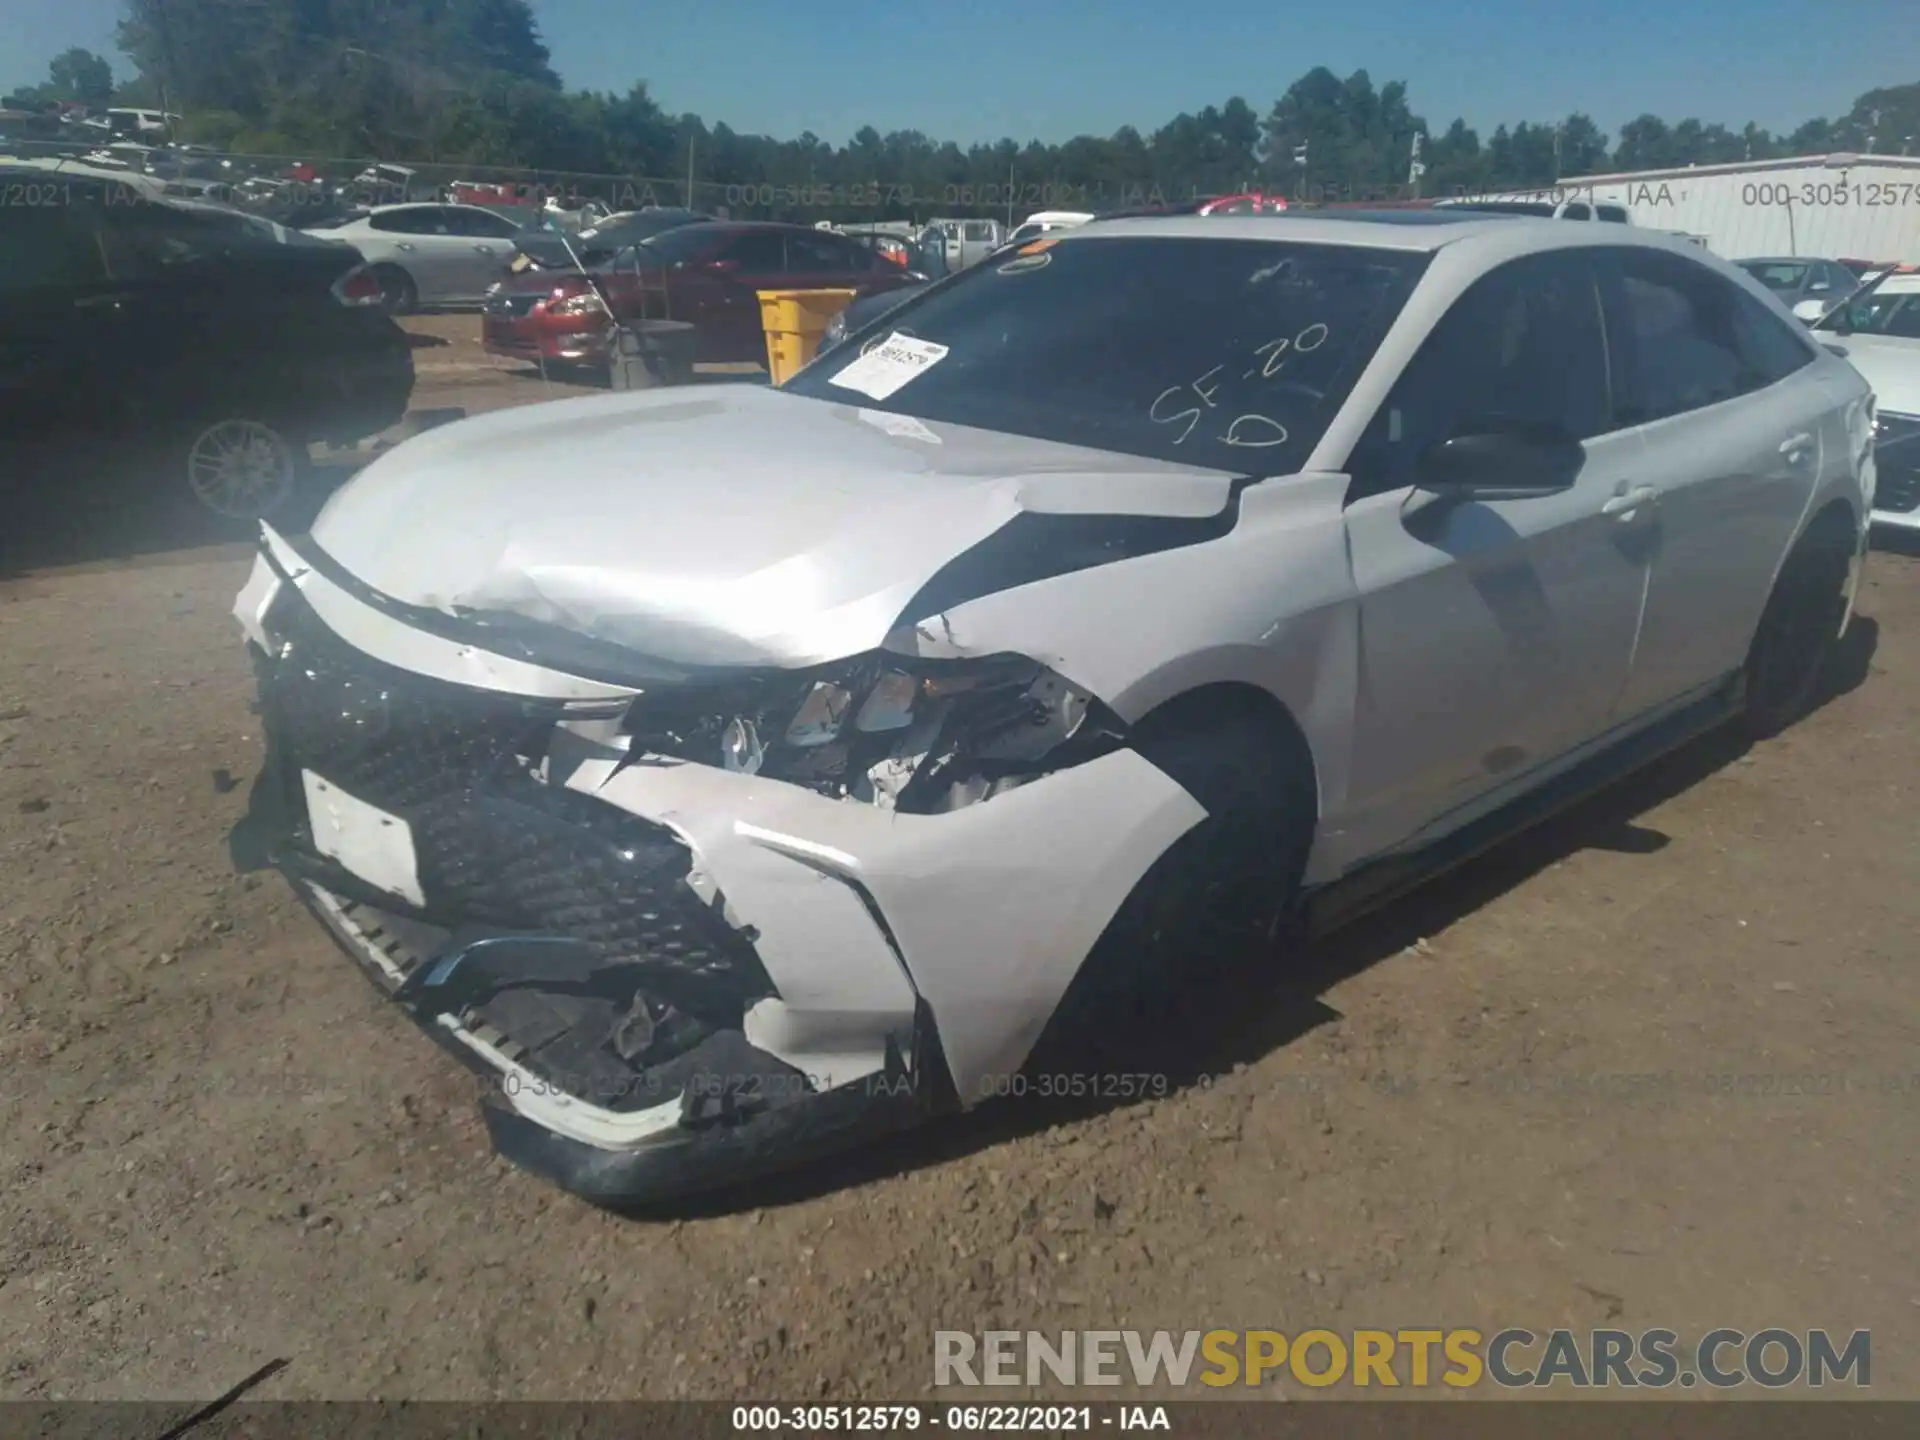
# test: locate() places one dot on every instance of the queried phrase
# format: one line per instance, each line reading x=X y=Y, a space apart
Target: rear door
x=489 y=240
x=424 y=244
x=729 y=318
x=1724 y=395
x=1496 y=634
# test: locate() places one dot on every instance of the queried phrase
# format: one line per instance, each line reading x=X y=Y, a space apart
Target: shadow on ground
x=1278 y=1000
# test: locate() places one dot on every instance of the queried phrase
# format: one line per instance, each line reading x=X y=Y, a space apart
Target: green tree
x=81 y=75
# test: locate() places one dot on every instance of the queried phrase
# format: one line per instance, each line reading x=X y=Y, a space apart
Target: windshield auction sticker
x=889 y=365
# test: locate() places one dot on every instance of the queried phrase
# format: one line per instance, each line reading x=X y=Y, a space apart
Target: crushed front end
x=682 y=973
x=558 y=945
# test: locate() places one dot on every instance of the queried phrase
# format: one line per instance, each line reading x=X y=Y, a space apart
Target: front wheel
x=243 y=469
x=1213 y=911
x=1799 y=628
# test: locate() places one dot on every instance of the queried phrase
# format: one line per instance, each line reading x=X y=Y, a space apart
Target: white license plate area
x=363 y=839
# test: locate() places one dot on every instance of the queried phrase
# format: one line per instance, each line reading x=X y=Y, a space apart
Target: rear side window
x=427 y=220
x=1524 y=346
x=147 y=242
x=761 y=251
x=480 y=224
x=1613 y=214
x=826 y=255
x=1685 y=338
x=47 y=248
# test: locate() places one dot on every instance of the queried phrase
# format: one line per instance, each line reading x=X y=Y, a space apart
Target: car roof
x=1415 y=230
x=1779 y=260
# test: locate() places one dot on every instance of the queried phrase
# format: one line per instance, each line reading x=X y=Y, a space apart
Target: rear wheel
x=1799 y=627
x=1212 y=912
x=243 y=469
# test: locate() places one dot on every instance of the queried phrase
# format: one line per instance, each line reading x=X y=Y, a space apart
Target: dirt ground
x=1653 y=1067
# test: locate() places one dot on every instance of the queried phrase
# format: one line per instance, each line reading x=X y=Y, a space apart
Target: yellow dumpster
x=794 y=321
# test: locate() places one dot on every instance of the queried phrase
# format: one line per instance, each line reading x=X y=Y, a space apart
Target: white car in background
x=430 y=254
x=1878 y=331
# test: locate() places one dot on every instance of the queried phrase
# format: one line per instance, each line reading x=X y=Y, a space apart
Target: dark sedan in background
x=205 y=347
x=706 y=274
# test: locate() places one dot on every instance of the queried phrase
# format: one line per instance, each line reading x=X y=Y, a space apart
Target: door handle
x=403 y=245
x=102 y=302
x=1628 y=501
x=1796 y=448
x=486 y=249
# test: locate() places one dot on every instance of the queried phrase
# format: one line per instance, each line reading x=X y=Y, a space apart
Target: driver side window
x=1522 y=347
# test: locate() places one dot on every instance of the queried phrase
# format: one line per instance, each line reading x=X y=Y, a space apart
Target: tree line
x=468 y=84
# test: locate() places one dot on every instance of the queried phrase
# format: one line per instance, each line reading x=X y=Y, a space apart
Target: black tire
x=1799 y=628
x=1213 y=913
x=398 y=294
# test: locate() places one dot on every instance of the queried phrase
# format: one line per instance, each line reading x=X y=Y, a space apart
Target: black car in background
x=193 y=347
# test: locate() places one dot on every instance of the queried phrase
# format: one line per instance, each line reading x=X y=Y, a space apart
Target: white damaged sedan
x=734 y=773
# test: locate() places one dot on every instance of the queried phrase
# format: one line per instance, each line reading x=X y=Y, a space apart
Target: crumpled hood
x=720 y=525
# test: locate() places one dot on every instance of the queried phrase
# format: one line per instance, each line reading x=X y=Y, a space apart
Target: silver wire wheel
x=242 y=469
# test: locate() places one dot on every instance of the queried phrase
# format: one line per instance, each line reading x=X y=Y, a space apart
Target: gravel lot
x=1655 y=1067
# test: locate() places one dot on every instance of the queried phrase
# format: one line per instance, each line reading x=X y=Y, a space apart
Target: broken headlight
x=881 y=728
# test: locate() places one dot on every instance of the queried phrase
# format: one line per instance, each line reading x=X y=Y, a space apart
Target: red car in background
x=1252 y=203
x=707 y=274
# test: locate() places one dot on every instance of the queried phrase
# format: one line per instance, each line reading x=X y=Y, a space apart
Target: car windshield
x=1774 y=274
x=1228 y=354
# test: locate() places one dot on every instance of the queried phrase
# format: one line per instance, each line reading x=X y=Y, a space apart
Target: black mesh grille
x=496 y=847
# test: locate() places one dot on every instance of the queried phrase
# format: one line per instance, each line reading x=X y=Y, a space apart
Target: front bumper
x=807 y=972
x=528 y=340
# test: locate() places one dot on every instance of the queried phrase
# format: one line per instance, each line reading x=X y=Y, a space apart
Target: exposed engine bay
x=916 y=736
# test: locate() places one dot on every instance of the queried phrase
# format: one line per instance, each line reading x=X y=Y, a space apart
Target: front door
x=1495 y=634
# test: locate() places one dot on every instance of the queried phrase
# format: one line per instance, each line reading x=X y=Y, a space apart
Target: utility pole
x=1300 y=161
x=165 y=27
x=1872 y=134
x=692 y=140
x=1559 y=130
x=1415 y=169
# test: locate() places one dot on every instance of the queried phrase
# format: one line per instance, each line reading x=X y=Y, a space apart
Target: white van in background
x=149 y=123
x=967 y=242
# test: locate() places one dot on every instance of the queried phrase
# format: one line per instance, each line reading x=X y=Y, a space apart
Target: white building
x=1835 y=207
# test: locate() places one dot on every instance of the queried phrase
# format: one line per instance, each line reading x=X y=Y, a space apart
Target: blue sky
x=1049 y=69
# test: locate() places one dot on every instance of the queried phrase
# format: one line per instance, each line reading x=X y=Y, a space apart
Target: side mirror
x=1809 y=311
x=1505 y=463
